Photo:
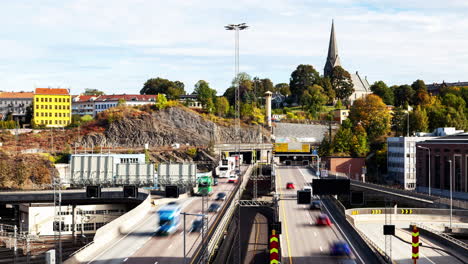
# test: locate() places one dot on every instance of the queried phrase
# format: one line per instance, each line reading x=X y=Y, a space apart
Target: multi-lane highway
x=302 y=241
x=142 y=246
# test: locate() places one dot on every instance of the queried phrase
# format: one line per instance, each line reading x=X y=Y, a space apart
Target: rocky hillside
x=166 y=127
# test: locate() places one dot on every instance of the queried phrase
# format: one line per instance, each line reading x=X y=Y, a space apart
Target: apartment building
x=52 y=107
x=16 y=104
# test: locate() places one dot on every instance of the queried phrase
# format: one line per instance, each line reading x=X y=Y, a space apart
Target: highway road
x=400 y=251
x=302 y=241
x=142 y=246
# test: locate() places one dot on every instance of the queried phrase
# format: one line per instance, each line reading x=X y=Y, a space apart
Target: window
x=436 y=183
x=88 y=226
x=457 y=177
x=98 y=225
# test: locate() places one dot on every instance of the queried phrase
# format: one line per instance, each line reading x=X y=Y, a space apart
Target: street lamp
x=428 y=149
x=451 y=207
x=237 y=28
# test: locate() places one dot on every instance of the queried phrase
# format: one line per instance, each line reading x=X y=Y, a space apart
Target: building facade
x=190 y=100
x=83 y=104
x=361 y=85
x=52 y=107
x=401 y=160
x=448 y=156
x=16 y=104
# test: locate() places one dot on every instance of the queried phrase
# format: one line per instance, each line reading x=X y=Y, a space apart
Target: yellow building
x=52 y=107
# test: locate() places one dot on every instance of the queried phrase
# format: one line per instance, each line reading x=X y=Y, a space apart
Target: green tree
x=339 y=105
x=209 y=106
x=403 y=95
x=328 y=89
x=204 y=92
x=257 y=116
x=283 y=88
x=159 y=85
x=86 y=118
x=313 y=99
x=221 y=106
x=454 y=101
x=161 y=103
x=372 y=114
x=359 y=144
x=89 y=91
x=399 y=121
x=341 y=82
x=342 y=139
x=419 y=122
x=301 y=78
x=419 y=85
x=381 y=89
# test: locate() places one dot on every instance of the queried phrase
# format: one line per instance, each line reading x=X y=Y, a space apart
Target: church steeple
x=332 y=59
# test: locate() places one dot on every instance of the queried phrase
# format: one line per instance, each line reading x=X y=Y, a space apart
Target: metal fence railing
x=445 y=236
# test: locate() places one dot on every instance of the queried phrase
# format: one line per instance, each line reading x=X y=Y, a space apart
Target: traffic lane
x=170 y=249
x=304 y=242
x=257 y=239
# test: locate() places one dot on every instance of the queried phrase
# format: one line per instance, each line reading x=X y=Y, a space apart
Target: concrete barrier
x=111 y=231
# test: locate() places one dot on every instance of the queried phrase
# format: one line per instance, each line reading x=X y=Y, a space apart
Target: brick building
x=449 y=153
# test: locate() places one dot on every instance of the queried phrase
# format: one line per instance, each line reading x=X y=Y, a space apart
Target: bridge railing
x=406 y=211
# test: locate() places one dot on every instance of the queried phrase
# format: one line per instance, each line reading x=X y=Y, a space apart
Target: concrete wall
x=111 y=231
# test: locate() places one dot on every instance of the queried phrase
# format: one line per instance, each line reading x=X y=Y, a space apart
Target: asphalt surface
x=304 y=242
x=142 y=246
x=400 y=251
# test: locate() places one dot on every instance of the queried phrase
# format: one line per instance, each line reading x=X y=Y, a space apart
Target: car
x=323 y=220
x=197 y=225
x=215 y=181
x=316 y=204
x=214 y=208
x=307 y=188
x=340 y=248
x=290 y=185
x=221 y=196
x=233 y=178
x=173 y=203
x=237 y=172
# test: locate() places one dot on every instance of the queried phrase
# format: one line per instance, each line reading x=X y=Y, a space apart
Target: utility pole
x=57 y=217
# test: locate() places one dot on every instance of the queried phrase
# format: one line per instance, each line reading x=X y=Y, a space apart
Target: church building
x=361 y=86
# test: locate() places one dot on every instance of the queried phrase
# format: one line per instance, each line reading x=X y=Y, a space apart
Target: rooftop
x=16 y=94
x=52 y=91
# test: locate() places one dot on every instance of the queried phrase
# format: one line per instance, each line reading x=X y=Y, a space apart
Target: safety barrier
x=442 y=235
x=407 y=211
x=224 y=223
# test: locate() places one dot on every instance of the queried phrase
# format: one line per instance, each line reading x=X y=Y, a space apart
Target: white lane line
x=321 y=249
x=170 y=245
x=315 y=233
x=156 y=262
x=125 y=259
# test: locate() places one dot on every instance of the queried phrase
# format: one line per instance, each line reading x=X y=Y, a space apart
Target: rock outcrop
x=169 y=126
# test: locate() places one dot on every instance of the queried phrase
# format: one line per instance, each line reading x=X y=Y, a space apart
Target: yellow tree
x=372 y=114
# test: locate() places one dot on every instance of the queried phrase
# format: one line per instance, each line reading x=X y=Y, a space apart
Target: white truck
x=226 y=167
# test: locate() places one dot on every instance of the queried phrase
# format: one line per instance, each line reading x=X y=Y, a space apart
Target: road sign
x=415 y=243
x=389 y=230
x=274 y=248
x=406 y=211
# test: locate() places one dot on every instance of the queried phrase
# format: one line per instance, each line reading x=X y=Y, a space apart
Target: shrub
x=192 y=152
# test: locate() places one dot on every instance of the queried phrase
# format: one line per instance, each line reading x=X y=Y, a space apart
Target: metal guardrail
x=82 y=248
x=445 y=236
x=405 y=211
x=219 y=232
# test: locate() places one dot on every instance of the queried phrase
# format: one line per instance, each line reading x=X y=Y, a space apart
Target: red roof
x=52 y=91
x=16 y=94
x=84 y=98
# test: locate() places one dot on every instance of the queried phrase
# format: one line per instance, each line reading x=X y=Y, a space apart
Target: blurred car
x=215 y=181
x=233 y=178
x=290 y=185
x=340 y=248
x=214 y=208
x=307 y=188
x=197 y=225
x=323 y=220
x=316 y=205
x=173 y=203
x=237 y=172
x=221 y=196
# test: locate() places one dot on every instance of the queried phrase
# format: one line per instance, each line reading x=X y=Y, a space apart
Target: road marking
x=170 y=245
x=285 y=222
x=125 y=259
x=315 y=234
x=156 y=262
x=256 y=235
x=321 y=249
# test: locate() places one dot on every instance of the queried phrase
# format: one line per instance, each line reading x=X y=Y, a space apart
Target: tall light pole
x=451 y=207
x=237 y=28
x=428 y=149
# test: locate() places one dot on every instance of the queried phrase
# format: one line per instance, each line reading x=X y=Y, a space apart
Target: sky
x=116 y=45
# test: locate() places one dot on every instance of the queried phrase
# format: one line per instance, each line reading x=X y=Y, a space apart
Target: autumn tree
x=372 y=114
x=419 y=121
x=359 y=145
x=161 y=101
x=341 y=82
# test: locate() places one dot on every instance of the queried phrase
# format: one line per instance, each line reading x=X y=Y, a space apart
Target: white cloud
x=118 y=45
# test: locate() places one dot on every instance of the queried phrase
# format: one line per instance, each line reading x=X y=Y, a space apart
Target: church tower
x=332 y=59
